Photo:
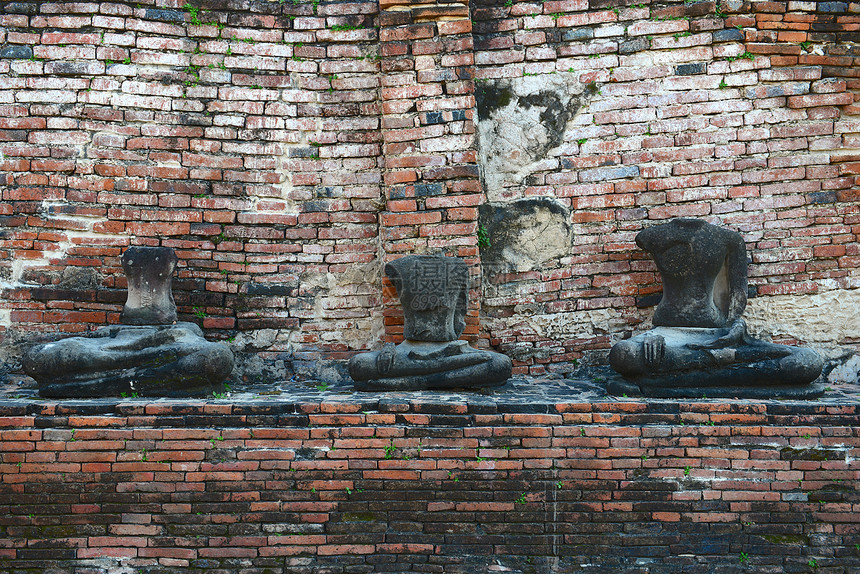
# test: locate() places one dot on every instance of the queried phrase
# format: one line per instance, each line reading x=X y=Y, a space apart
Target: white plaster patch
x=54 y=258
x=111 y=565
x=19 y=266
x=285 y=185
x=285 y=165
x=560 y=326
x=848 y=372
x=830 y=317
x=516 y=135
x=524 y=235
x=359 y=284
x=545 y=240
x=260 y=339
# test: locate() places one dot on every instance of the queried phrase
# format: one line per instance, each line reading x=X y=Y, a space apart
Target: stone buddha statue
x=150 y=354
x=433 y=291
x=699 y=343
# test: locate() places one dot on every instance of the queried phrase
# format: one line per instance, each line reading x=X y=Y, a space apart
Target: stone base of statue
x=689 y=362
x=158 y=360
x=423 y=365
x=798 y=392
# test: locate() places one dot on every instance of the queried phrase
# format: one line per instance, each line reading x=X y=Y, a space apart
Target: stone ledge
x=542 y=475
x=291 y=403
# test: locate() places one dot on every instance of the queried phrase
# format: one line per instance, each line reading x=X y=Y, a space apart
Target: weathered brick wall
x=286 y=150
x=394 y=486
x=246 y=138
x=739 y=112
x=431 y=174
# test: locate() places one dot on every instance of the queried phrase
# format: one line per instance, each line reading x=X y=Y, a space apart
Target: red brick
x=820 y=100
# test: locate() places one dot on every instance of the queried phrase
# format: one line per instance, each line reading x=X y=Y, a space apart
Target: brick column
x=432 y=188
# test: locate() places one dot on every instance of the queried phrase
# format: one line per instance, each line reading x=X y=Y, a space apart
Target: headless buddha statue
x=699 y=343
x=433 y=291
x=150 y=353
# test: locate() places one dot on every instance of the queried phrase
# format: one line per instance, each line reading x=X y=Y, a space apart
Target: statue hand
x=448 y=350
x=654 y=347
x=385 y=359
x=734 y=338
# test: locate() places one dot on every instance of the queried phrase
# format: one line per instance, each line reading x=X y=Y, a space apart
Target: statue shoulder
x=733 y=239
x=649 y=238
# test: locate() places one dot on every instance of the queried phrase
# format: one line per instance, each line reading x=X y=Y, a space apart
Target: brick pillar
x=432 y=189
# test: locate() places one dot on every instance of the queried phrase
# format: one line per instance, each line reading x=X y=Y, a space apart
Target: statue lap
x=755 y=370
x=170 y=360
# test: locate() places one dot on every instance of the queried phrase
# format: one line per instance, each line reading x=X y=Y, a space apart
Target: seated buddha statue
x=433 y=291
x=699 y=343
x=149 y=354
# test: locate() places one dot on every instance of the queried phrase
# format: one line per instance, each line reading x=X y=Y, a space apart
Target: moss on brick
x=787 y=539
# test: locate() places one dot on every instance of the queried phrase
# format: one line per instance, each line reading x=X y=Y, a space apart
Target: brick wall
x=401 y=485
x=741 y=113
x=286 y=150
